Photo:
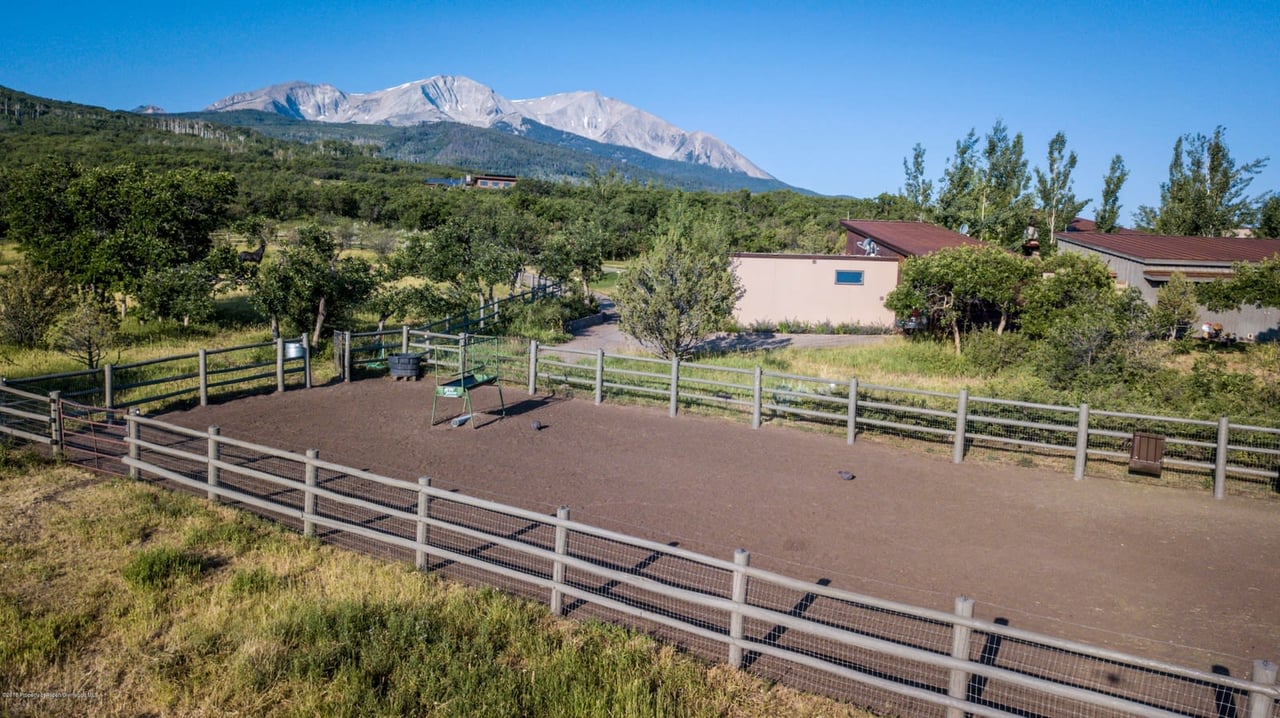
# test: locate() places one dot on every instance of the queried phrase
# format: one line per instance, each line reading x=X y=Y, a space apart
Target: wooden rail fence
x=848 y=645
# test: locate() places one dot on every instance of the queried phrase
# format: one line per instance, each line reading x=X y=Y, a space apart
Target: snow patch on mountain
x=452 y=98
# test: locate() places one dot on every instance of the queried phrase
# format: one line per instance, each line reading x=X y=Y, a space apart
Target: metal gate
x=93 y=437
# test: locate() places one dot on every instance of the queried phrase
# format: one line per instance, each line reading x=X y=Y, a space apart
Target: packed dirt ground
x=1158 y=572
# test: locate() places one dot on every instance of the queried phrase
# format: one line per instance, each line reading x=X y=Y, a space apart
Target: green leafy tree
x=577 y=251
x=107 y=227
x=958 y=286
x=1205 y=194
x=1176 y=307
x=959 y=186
x=1003 y=202
x=1067 y=280
x=31 y=298
x=310 y=287
x=1269 y=218
x=1251 y=284
x=1057 y=201
x=183 y=293
x=87 y=331
x=682 y=288
x=985 y=194
x=1108 y=214
x=476 y=250
x=917 y=190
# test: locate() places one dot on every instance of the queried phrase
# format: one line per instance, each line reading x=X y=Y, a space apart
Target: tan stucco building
x=814 y=288
x=844 y=288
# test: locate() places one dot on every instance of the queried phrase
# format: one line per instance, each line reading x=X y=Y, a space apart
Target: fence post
x=202 y=360
x=134 y=451
x=757 y=382
x=55 y=424
x=424 y=512
x=1260 y=703
x=462 y=354
x=309 y=499
x=675 y=386
x=279 y=364
x=853 y=410
x=337 y=351
x=958 y=685
x=1082 y=442
x=599 y=376
x=404 y=338
x=962 y=418
x=306 y=360
x=215 y=453
x=533 y=366
x=346 y=356
x=1220 y=458
x=108 y=386
x=741 y=559
x=557 y=569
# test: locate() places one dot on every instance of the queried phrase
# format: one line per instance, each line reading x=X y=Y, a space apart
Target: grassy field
x=118 y=598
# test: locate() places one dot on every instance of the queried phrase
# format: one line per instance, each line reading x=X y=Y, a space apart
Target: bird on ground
x=537 y=425
x=846 y=475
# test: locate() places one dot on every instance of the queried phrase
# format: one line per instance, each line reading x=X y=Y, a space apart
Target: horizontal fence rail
x=852 y=646
x=817 y=637
x=1229 y=457
x=198 y=375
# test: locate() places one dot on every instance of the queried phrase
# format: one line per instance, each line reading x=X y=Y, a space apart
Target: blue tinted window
x=848 y=276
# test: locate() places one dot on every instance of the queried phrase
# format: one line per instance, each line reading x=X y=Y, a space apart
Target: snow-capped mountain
x=447 y=98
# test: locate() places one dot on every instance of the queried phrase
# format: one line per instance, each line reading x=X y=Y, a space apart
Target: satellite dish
x=964 y=229
x=868 y=246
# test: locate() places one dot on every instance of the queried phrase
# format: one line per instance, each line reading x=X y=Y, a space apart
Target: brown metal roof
x=905 y=238
x=1160 y=248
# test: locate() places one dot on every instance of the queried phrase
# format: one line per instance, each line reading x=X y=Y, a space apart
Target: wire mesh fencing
x=857 y=648
x=1218 y=455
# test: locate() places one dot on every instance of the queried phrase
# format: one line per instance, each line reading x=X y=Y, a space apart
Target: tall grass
x=118 y=598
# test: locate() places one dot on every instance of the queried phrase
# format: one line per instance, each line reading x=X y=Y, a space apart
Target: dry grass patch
x=120 y=598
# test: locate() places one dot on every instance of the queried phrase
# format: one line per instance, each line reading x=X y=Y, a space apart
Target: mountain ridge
x=454 y=98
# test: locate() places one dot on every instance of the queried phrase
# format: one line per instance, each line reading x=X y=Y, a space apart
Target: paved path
x=609 y=337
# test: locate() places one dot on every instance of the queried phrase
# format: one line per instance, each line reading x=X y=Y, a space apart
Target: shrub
x=860 y=329
x=988 y=353
x=86 y=331
x=31 y=299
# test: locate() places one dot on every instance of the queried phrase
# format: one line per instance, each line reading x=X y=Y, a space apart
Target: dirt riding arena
x=1161 y=573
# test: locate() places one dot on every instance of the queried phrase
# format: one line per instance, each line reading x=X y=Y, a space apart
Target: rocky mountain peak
x=454 y=98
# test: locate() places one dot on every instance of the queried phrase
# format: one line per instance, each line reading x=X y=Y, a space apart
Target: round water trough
x=406 y=366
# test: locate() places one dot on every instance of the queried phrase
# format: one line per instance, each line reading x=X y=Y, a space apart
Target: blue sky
x=825 y=96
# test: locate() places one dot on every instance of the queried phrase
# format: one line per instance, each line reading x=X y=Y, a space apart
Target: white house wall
x=803 y=288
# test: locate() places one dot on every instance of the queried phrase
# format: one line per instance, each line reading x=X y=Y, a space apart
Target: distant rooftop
x=903 y=239
x=1154 y=247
